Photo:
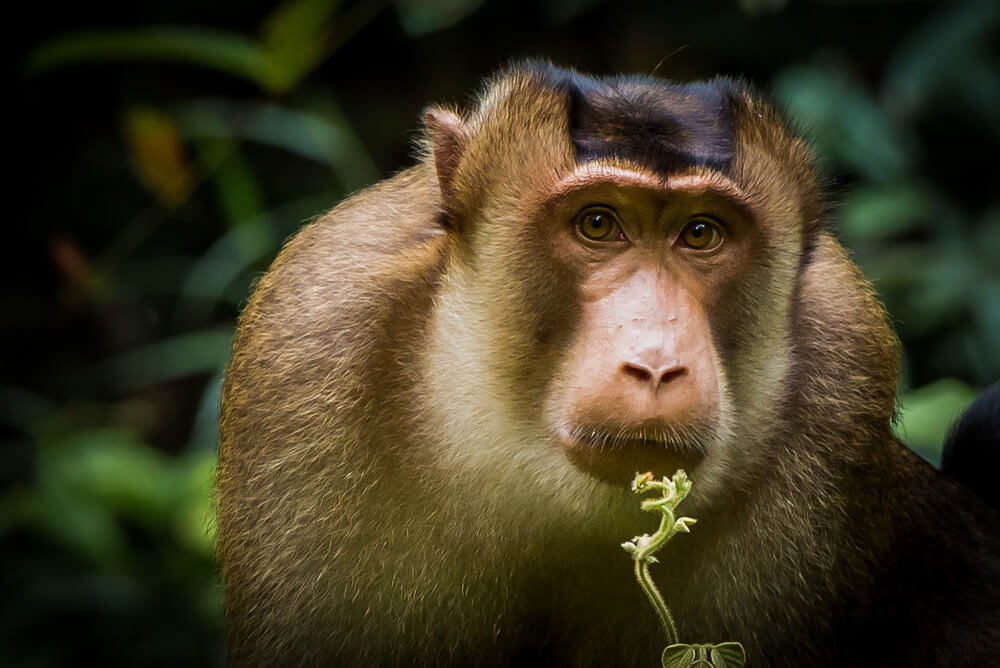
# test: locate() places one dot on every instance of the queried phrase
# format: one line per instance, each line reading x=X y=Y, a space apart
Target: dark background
x=163 y=150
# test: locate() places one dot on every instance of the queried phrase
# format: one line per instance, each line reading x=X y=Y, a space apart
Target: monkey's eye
x=702 y=234
x=596 y=224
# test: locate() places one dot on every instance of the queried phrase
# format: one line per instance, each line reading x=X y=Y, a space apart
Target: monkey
x=440 y=389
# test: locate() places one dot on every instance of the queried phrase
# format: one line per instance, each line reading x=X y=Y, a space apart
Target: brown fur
x=387 y=493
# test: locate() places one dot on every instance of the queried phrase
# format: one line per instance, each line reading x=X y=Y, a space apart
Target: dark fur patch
x=661 y=126
x=972 y=452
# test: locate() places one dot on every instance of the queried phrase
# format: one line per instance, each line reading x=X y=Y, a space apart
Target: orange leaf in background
x=158 y=155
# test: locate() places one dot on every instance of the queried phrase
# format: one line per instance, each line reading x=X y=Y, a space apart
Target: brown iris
x=598 y=224
x=702 y=234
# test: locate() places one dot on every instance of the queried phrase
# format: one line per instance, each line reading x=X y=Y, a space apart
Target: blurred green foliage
x=173 y=147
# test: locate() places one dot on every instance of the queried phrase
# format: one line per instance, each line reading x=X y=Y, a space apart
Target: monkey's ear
x=447 y=135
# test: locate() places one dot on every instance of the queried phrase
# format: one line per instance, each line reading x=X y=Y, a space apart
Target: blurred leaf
x=205 y=430
x=88 y=478
x=896 y=267
x=935 y=57
x=238 y=191
x=420 y=17
x=193 y=516
x=85 y=479
x=846 y=125
x=84 y=526
x=224 y=51
x=928 y=287
x=940 y=292
x=112 y=467
x=295 y=39
x=927 y=414
x=235 y=253
x=199 y=352
x=158 y=155
x=106 y=546
x=875 y=213
x=294 y=43
x=324 y=137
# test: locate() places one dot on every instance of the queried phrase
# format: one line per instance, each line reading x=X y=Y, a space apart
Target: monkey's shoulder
x=374 y=227
x=361 y=275
x=386 y=234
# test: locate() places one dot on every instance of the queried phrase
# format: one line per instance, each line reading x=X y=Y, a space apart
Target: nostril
x=640 y=373
x=654 y=378
x=672 y=373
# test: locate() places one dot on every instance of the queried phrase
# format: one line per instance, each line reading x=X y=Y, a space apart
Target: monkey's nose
x=653 y=376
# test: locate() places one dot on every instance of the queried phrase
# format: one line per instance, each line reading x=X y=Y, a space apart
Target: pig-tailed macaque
x=441 y=389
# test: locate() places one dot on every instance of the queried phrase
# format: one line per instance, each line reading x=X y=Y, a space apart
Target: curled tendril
x=673 y=490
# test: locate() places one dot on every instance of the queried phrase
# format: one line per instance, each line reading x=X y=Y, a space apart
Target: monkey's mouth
x=615 y=456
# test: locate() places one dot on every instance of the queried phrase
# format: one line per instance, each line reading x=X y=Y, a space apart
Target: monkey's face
x=620 y=314
x=641 y=386
x=609 y=319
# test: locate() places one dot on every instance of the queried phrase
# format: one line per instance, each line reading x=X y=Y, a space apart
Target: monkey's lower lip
x=618 y=463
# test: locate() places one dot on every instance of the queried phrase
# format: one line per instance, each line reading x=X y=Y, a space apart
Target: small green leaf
x=684 y=524
x=679 y=656
x=728 y=655
x=723 y=655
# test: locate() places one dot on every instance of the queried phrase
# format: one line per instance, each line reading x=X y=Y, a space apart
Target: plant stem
x=656 y=599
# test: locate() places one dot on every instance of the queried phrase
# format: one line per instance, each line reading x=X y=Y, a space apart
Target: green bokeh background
x=164 y=150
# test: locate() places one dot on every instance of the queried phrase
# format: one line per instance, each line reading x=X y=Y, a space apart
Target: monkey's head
x=440 y=391
x=621 y=252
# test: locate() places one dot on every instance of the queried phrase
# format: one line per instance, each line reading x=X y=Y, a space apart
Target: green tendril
x=642 y=548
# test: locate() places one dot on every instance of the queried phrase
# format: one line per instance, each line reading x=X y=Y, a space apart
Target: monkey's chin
x=616 y=462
